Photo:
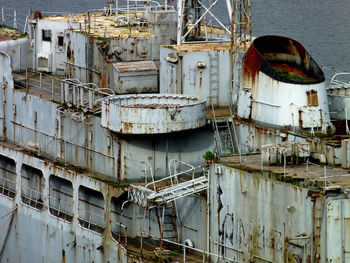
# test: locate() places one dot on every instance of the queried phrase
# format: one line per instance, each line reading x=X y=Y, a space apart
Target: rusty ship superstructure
x=159 y=133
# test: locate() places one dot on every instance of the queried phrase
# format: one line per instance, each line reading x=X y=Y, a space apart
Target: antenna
x=241 y=28
x=196 y=16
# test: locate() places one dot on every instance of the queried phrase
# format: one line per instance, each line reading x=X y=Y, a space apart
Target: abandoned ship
x=157 y=133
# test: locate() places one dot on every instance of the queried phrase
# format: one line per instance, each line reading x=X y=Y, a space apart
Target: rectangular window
x=60 y=41
x=32 y=184
x=312 y=98
x=46 y=35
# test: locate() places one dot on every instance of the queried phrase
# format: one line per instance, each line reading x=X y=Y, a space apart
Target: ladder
x=222 y=134
x=167 y=222
x=214 y=79
x=151 y=195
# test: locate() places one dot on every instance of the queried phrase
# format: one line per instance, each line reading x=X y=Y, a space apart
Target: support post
x=15 y=19
x=52 y=89
x=40 y=85
x=2 y=16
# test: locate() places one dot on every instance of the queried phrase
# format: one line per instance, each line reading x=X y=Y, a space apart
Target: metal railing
x=132 y=12
x=87 y=96
x=60 y=208
x=7 y=187
x=13 y=18
x=335 y=82
x=91 y=220
x=41 y=84
x=321 y=174
x=117 y=229
x=173 y=178
x=31 y=197
x=186 y=248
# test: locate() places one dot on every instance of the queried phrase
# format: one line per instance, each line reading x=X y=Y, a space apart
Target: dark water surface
x=322 y=26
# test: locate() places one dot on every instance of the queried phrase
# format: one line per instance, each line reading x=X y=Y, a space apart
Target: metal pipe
x=185 y=254
x=121 y=218
x=72 y=143
x=52 y=88
x=208 y=214
x=265 y=103
x=180 y=7
x=40 y=84
x=128 y=10
x=116 y=10
x=15 y=19
x=222 y=245
x=92 y=70
x=198 y=250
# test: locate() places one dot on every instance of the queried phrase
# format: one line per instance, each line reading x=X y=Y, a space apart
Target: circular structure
x=152 y=113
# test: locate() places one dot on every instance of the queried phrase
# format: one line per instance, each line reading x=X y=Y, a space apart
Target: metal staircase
x=180 y=190
x=168 y=226
x=223 y=128
x=166 y=190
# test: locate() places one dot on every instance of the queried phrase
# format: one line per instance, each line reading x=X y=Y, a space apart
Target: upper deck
x=101 y=25
x=302 y=174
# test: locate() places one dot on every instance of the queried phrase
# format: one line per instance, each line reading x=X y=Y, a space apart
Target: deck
x=311 y=173
x=41 y=85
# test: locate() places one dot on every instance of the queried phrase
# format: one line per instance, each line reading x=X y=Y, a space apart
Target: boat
x=158 y=133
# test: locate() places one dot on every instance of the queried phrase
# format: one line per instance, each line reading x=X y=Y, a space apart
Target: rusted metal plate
x=135 y=66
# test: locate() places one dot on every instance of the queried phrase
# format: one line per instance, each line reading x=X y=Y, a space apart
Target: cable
x=8 y=232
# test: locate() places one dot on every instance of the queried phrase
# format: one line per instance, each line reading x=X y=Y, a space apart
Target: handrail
x=34 y=196
x=334 y=81
x=61 y=208
x=173 y=176
x=147 y=164
x=89 y=216
x=120 y=231
x=8 y=185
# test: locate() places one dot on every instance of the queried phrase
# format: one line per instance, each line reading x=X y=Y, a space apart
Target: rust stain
x=63 y=256
x=104 y=82
x=119 y=161
x=69 y=51
x=251 y=64
x=127 y=127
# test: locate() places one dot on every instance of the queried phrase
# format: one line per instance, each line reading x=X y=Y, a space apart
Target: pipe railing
x=90 y=219
x=7 y=187
x=115 y=226
x=60 y=208
x=13 y=18
x=31 y=197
